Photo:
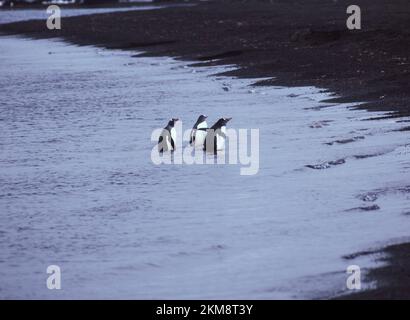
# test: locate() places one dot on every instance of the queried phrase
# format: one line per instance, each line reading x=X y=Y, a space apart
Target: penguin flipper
x=160 y=147
x=192 y=138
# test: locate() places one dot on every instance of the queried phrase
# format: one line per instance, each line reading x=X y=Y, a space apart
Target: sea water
x=78 y=188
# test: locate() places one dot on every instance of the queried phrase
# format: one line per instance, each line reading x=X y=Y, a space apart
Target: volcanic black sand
x=294 y=42
x=392 y=280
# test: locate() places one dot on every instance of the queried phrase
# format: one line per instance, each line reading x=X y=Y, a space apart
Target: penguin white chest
x=220 y=138
x=173 y=134
x=200 y=134
x=170 y=139
x=168 y=143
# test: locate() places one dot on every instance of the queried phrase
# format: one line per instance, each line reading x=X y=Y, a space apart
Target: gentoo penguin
x=198 y=132
x=166 y=141
x=215 y=138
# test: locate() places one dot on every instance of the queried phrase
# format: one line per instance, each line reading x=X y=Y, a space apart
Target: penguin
x=216 y=136
x=198 y=132
x=166 y=141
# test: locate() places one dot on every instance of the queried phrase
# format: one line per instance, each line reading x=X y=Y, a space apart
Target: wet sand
x=294 y=42
x=392 y=280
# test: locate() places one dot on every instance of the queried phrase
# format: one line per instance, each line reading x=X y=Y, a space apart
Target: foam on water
x=78 y=188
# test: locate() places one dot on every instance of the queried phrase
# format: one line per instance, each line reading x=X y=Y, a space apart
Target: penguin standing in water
x=216 y=136
x=166 y=141
x=198 y=132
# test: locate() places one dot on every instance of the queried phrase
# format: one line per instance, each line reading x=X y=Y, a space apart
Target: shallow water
x=15 y=15
x=78 y=188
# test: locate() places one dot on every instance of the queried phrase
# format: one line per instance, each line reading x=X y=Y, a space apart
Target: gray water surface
x=78 y=188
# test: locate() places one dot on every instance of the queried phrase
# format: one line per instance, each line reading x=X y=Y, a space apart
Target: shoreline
x=310 y=48
x=370 y=65
x=108 y=4
x=392 y=278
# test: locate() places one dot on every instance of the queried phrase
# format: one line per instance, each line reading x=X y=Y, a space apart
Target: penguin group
x=209 y=139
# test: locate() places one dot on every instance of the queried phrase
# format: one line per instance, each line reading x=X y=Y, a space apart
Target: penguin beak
x=228 y=119
x=175 y=119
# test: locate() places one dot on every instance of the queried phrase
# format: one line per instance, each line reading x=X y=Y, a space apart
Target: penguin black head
x=225 y=120
x=201 y=118
x=221 y=122
x=172 y=121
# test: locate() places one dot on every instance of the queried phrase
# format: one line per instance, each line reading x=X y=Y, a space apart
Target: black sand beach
x=293 y=42
x=392 y=279
x=297 y=42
